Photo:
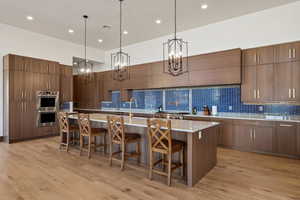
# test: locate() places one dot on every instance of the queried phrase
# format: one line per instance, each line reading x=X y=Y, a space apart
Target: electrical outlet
x=230 y=108
x=261 y=108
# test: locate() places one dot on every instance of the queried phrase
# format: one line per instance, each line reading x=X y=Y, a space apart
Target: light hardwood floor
x=37 y=170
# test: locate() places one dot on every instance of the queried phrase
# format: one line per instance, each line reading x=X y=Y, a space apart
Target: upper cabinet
x=271 y=74
x=259 y=56
x=288 y=52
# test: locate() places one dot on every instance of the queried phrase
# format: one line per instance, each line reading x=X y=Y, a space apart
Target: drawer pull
x=285 y=125
x=290 y=53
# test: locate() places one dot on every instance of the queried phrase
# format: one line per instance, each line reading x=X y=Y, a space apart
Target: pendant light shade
x=175 y=53
x=84 y=66
x=120 y=61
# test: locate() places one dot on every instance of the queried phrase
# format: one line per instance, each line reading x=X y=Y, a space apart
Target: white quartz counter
x=189 y=126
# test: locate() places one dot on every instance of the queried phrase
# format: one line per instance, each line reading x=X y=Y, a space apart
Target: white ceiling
x=55 y=17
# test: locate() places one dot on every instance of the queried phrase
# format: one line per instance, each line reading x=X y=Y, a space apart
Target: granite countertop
x=242 y=116
x=188 y=126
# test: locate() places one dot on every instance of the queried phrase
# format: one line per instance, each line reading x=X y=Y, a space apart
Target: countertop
x=188 y=126
x=242 y=116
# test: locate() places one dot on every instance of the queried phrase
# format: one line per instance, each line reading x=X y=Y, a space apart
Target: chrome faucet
x=132 y=99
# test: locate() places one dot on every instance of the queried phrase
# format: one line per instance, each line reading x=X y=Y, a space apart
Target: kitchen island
x=200 y=137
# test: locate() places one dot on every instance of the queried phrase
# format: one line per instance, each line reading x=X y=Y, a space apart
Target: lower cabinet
x=298 y=140
x=226 y=133
x=254 y=136
x=286 y=139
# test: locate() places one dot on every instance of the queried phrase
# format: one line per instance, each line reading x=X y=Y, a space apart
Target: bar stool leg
x=138 y=151
x=68 y=141
x=89 y=147
x=104 y=143
x=182 y=162
x=150 y=164
x=110 y=153
x=123 y=147
x=81 y=143
x=169 y=168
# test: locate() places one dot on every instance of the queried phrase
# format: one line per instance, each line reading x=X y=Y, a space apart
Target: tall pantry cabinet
x=23 y=77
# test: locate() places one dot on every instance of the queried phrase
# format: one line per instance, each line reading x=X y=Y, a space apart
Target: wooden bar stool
x=91 y=133
x=118 y=136
x=160 y=141
x=67 y=130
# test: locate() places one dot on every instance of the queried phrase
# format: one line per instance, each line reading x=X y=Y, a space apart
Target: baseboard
x=34 y=138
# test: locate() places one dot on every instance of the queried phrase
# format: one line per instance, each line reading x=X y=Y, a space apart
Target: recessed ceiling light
x=125 y=32
x=75 y=63
x=204 y=6
x=71 y=31
x=158 y=21
x=30 y=18
x=100 y=40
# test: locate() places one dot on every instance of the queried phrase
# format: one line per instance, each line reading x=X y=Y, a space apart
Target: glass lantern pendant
x=83 y=66
x=175 y=53
x=120 y=60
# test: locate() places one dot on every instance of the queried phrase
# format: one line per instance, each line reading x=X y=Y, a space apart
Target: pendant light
x=120 y=60
x=175 y=53
x=84 y=66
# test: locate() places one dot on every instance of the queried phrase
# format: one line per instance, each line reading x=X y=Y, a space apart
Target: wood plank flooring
x=37 y=170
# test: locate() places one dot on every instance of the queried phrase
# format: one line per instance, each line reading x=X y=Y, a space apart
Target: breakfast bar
x=200 y=138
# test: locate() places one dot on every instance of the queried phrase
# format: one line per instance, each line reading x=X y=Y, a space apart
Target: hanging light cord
x=175 y=19
x=85 y=20
x=121 y=26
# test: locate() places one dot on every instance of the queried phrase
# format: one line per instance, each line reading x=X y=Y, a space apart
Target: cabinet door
x=53 y=82
x=265 y=55
x=15 y=120
x=298 y=140
x=286 y=138
x=296 y=51
x=16 y=86
x=264 y=81
x=283 y=81
x=250 y=57
x=296 y=81
x=284 y=53
x=243 y=137
x=248 y=88
x=263 y=139
x=227 y=135
x=28 y=120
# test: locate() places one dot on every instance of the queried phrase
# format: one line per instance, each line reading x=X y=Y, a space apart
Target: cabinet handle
x=290 y=93
x=254 y=94
x=285 y=125
x=294 y=53
x=255 y=58
x=290 y=53
x=294 y=93
x=254 y=134
x=258 y=94
x=251 y=134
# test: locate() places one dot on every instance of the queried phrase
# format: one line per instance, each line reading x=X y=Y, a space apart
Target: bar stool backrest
x=159 y=134
x=63 y=122
x=84 y=124
x=116 y=129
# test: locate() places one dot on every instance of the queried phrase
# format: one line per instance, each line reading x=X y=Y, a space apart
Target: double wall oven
x=47 y=107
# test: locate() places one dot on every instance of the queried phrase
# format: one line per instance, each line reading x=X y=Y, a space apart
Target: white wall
x=21 y=42
x=272 y=26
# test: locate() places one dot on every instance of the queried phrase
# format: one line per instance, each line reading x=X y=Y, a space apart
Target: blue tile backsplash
x=228 y=99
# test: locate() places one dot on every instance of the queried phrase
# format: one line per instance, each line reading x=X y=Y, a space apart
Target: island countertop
x=189 y=126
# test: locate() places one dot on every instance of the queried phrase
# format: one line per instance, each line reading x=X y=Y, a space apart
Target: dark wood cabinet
x=263 y=138
x=259 y=56
x=225 y=132
x=23 y=77
x=287 y=82
x=66 y=83
x=257 y=85
x=286 y=138
x=254 y=136
x=298 y=139
x=288 y=52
